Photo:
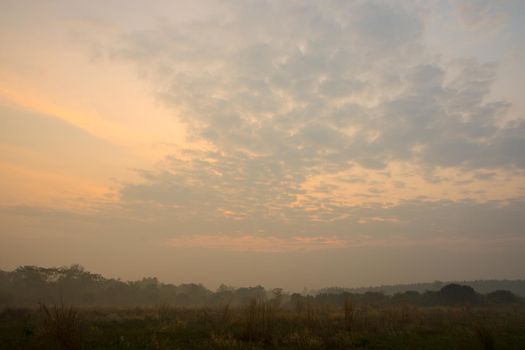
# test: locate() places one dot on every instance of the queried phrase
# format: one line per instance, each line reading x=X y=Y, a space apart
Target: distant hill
x=481 y=286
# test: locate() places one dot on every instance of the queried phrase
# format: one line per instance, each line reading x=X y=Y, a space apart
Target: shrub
x=502 y=297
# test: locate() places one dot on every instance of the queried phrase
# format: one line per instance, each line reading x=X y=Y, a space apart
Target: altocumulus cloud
x=323 y=113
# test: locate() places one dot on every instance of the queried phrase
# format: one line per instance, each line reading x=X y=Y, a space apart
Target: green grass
x=263 y=325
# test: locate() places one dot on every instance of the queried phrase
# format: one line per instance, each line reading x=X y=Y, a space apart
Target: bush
x=502 y=297
x=454 y=294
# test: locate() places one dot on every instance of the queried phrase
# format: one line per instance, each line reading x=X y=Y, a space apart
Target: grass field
x=264 y=325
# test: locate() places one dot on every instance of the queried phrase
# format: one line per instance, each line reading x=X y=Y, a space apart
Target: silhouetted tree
x=457 y=294
x=502 y=297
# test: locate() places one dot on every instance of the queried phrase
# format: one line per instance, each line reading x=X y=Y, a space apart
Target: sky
x=295 y=144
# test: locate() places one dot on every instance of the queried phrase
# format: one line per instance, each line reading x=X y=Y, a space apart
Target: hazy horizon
x=293 y=144
x=54 y=276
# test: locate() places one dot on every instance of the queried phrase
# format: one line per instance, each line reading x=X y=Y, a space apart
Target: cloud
x=271 y=244
x=442 y=225
x=485 y=13
x=294 y=89
x=310 y=127
x=329 y=108
x=257 y=244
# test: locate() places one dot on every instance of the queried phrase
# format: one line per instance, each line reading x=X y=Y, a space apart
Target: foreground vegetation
x=71 y=309
x=265 y=325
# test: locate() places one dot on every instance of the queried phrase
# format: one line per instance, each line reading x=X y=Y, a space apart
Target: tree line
x=73 y=285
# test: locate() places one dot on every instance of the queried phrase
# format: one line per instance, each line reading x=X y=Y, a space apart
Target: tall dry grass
x=259 y=319
x=349 y=310
x=62 y=325
x=485 y=335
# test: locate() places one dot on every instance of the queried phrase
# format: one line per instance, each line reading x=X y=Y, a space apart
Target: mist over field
x=302 y=146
